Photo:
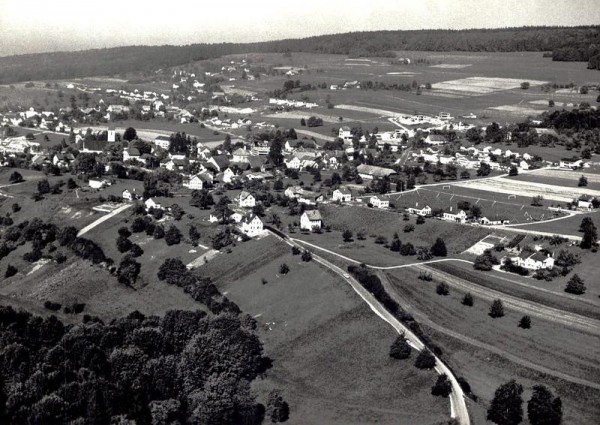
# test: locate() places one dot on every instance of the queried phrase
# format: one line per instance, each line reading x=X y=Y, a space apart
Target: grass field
x=330 y=351
x=545 y=344
x=568 y=179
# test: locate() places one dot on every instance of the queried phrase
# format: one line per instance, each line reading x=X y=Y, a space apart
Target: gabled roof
x=164 y=138
x=94 y=145
x=133 y=152
x=313 y=215
x=221 y=160
x=437 y=138
x=244 y=195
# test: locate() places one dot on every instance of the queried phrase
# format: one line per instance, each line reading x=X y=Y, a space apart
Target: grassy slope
x=330 y=352
x=545 y=344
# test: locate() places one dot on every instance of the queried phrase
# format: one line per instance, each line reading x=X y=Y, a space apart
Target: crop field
x=546 y=344
x=564 y=178
x=475 y=86
x=306 y=319
x=529 y=189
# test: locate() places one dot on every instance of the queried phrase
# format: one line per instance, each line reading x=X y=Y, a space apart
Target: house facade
x=311 y=220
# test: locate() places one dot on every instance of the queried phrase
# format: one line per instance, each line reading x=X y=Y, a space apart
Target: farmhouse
x=132 y=154
x=342 y=195
x=246 y=200
x=345 y=133
x=251 y=225
x=583 y=204
x=241 y=155
x=128 y=195
x=98 y=184
x=379 y=202
x=571 y=163
x=150 y=203
x=460 y=217
x=534 y=261
x=374 y=172
x=423 y=212
x=495 y=222
x=311 y=220
x=435 y=140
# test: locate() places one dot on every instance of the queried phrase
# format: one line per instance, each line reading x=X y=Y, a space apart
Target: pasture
x=306 y=318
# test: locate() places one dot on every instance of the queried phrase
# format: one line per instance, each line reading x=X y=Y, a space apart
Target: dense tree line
x=185 y=367
x=61 y=65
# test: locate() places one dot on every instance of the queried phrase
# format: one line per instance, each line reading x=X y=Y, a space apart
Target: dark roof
x=256 y=161
x=133 y=152
x=94 y=145
x=221 y=160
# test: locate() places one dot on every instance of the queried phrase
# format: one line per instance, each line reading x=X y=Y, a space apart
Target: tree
x=194 y=234
x=138 y=225
x=439 y=248
x=475 y=211
x=484 y=169
x=496 y=309
x=71 y=184
x=177 y=212
x=130 y=134
x=536 y=201
x=10 y=271
x=128 y=270
x=173 y=236
x=425 y=360
x=575 y=285
x=136 y=250
x=277 y=408
x=551 y=103
x=583 y=181
x=525 y=322
x=159 y=232
x=507 y=406
x=306 y=256
x=16 y=177
x=590 y=233
x=400 y=348
x=442 y=387
x=284 y=268
x=123 y=244
x=525 y=85
x=468 y=300
x=442 y=289
x=514 y=171
x=43 y=186
x=124 y=231
x=302 y=122
x=543 y=408
x=347 y=235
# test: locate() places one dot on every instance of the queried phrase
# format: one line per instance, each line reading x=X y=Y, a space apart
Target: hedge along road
x=534 y=309
x=458 y=405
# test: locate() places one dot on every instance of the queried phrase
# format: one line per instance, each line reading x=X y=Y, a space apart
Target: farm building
x=494 y=222
x=241 y=155
x=374 y=172
x=436 y=140
x=379 y=202
x=251 y=225
x=342 y=195
x=534 y=261
x=98 y=184
x=423 y=212
x=150 y=203
x=194 y=183
x=128 y=195
x=163 y=142
x=572 y=163
x=311 y=220
x=460 y=217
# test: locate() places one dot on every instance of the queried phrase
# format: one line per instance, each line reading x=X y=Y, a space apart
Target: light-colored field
x=368 y=110
x=403 y=73
x=451 y=65
x=517 y=110
x=301 y=114
x=549 y=192
x=476 y=86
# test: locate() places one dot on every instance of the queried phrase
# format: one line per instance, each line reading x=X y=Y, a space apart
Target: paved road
x=422 y=318
x=534 y=309
x=458 y=406
x=102 y=219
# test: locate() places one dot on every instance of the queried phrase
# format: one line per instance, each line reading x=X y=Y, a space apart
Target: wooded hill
x=567 y=43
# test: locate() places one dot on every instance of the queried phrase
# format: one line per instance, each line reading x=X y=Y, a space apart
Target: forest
x=185 y=367
x=566 y=43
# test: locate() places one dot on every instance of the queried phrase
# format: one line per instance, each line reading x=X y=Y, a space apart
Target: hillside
x=568 y=43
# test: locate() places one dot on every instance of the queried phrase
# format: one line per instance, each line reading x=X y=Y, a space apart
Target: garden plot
x=488 y=242
x=479 y=86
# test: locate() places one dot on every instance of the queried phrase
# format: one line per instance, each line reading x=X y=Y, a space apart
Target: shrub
x=442 y=387
x=409 y=228
x=123 y=244
x=425 y=360
x=347 y=235
x=400 y=348
x=468 y=300
x=496 y=309
x=306 y=256
x=295 y=250
x=16 y=177
x=439 y=248
x=74 y=308
x=284 y=269
x=420 y=219
x=575 y=285
x=442 y=289
x=173 y=236
x=426 y=276
x=10 y=271
x=52 y=306
x=525 y=322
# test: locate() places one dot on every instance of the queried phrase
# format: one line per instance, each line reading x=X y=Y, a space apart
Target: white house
x=534 y=261
x=379 y=202
x=423 y=212
x=163 y=142
x=132 y=154
x=311 y=220
x=241 y=155
x=342 y=195
x=251 y=225
x=435 y=139
x=584 y=205
x=127 y=195
x=194 y=183
x=246 y=200
x=345 y=133
x=494 y=222
x=98 y=184
x=523 y=165
x=112 y=134
x=571 y=163
x=460 y=217
x=150 y=203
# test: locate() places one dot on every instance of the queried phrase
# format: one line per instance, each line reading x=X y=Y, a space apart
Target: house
x=423 y=212
x=342 y=195
x=194 y=183
x=98 y=184
x=93 y=146
x=151 y=204
x=379 y=201
x=311 y=220
x=220 y=162
x=523 y=165
x=251 y=225
x=495 y=222
x=460 y=217
x=571 y=163
x=132 y=154
x=163 y=142
x=374 y=172
x=293 y=162
x=584 y=204
x=241 y=155
x=534 y=261
x=435 y=139
x=345 y=133
x=128 y=195
x=246 y=200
